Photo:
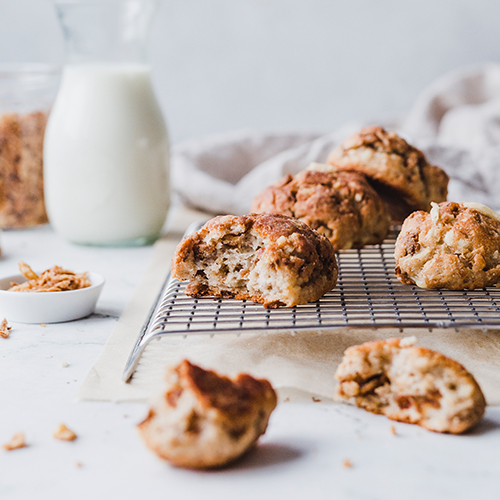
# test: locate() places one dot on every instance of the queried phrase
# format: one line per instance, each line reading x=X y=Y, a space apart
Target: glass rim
x=18 y=69
x=102 y=2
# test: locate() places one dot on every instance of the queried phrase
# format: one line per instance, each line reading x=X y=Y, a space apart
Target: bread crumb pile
x=55 y=279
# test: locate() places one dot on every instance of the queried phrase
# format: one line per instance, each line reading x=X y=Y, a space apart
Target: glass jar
x=26 y=95
x=106 y=147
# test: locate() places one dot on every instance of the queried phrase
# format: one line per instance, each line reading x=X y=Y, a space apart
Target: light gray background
x=221 y=65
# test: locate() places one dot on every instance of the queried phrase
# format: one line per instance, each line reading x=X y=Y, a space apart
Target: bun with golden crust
x=410 y=384
x=399 y=172
x=204 y=420
x=271 y=259
x=456 y=247
x=340 y=205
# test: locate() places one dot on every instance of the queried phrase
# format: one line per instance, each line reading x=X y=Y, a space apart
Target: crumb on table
x=4 y=329
x=64 y=434
x=17 y=441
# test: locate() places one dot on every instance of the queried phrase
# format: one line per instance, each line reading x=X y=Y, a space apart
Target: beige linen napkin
x=456 y=121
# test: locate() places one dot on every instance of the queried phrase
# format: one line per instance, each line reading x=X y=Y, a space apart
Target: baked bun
x=456 y=246
x=410 y=384
x=204 y=420
x=340 y=205
x=399 y=172
x=271 y=259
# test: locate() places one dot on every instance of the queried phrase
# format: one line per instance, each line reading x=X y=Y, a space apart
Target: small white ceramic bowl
x=48 y=307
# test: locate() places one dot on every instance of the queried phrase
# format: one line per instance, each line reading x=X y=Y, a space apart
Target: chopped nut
x=350 y=388
x=26 y=271
x=434 y=212
x=322 y=167
x=55 y=279
x=482 y=209
x=347 y=463
x=64 y=434
x=408 y=341
x=4 y=329
x=16 y=442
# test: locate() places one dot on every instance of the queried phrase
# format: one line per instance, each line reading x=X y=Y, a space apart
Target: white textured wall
x=285 y=64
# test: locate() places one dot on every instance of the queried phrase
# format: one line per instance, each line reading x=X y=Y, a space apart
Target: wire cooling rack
x=367 y=294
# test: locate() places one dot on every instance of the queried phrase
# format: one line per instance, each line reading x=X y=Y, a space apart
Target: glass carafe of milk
x=106 y=149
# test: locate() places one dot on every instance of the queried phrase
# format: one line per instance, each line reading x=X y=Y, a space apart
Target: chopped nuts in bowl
x=53 y=296
x=55 y=279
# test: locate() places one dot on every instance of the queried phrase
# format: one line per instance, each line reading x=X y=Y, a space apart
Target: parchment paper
x=300 y=366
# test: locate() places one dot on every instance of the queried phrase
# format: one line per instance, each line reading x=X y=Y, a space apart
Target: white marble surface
x=301 y=456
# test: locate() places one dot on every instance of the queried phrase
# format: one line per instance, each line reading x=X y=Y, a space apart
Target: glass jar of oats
x=26 y=95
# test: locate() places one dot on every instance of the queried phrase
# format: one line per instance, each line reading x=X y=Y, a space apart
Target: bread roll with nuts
x=204 y=420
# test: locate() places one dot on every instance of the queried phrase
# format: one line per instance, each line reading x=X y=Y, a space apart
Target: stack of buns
x=372 y=178
x=283 y=254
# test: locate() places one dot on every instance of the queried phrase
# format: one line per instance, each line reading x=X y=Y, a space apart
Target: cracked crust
x=340 y=205
x=399 y=172
x=455 y=247
x=271 y=259
x=204 y=420
x=410 y=384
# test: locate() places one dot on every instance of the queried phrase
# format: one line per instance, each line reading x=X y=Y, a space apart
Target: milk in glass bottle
x=106 y=149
